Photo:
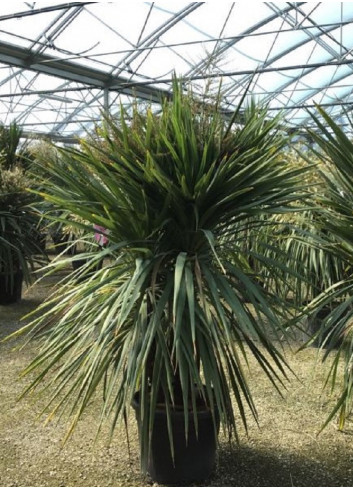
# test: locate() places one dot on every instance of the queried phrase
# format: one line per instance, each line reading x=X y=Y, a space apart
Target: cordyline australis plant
x=335 y=150
x=18 y=222
x=173 y=312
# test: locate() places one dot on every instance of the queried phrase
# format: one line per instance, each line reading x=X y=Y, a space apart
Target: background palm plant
x=10 y=137
x=304 y=244
x=40 y=153
x=19 y=221
x=335 y=150
x=174 y=312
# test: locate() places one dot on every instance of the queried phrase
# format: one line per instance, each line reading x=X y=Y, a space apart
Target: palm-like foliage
x=173 y=312
x=311 y=267
x=18 y=224
x=303 y=242
x=9 y=144
x=336 y=219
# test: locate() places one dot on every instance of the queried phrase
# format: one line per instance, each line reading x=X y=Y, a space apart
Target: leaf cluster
x=18 y=218
x=335 y=150
x=174 y=312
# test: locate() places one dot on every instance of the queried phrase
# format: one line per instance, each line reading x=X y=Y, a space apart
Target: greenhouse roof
x=62 y=64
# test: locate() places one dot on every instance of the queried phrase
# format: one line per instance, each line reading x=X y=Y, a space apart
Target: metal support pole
x=106 y=100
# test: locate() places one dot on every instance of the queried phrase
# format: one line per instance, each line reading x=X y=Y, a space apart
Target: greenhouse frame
x=62 y=64
x=176 y=244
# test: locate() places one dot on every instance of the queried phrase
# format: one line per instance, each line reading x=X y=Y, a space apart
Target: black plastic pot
x=194 y=461
x=10 y=287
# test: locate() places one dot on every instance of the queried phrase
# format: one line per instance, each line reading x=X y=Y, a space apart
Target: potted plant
x=10 y=137
x=18 y=228
x=167 y=323
x=304 y=244
x=20 y=235
x=312 y=269
x=334 y=148
x=35 y=160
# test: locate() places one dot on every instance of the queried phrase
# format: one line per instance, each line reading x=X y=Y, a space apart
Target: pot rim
x=202 y=411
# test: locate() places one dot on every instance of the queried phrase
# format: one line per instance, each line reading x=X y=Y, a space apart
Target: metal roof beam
x=226 y=45
x=42 y=63
x=59 y=23
x=150 y=41
x=316 y=90
x=311 y=37
x=49 y=136
x=322 y=42
x=312 y=90
x=51 y=8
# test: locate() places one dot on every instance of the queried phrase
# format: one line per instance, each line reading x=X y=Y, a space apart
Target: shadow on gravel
x=244 y=466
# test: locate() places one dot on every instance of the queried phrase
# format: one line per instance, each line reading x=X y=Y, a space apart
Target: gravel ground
x=284 y=450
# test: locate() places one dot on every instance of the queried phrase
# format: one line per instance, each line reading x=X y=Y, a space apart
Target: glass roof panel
x=61 y=64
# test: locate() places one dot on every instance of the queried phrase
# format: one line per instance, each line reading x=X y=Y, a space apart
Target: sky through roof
x=61 y=64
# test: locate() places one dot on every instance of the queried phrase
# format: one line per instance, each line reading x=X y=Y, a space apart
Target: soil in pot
x=10 y=287
x=194 y=460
